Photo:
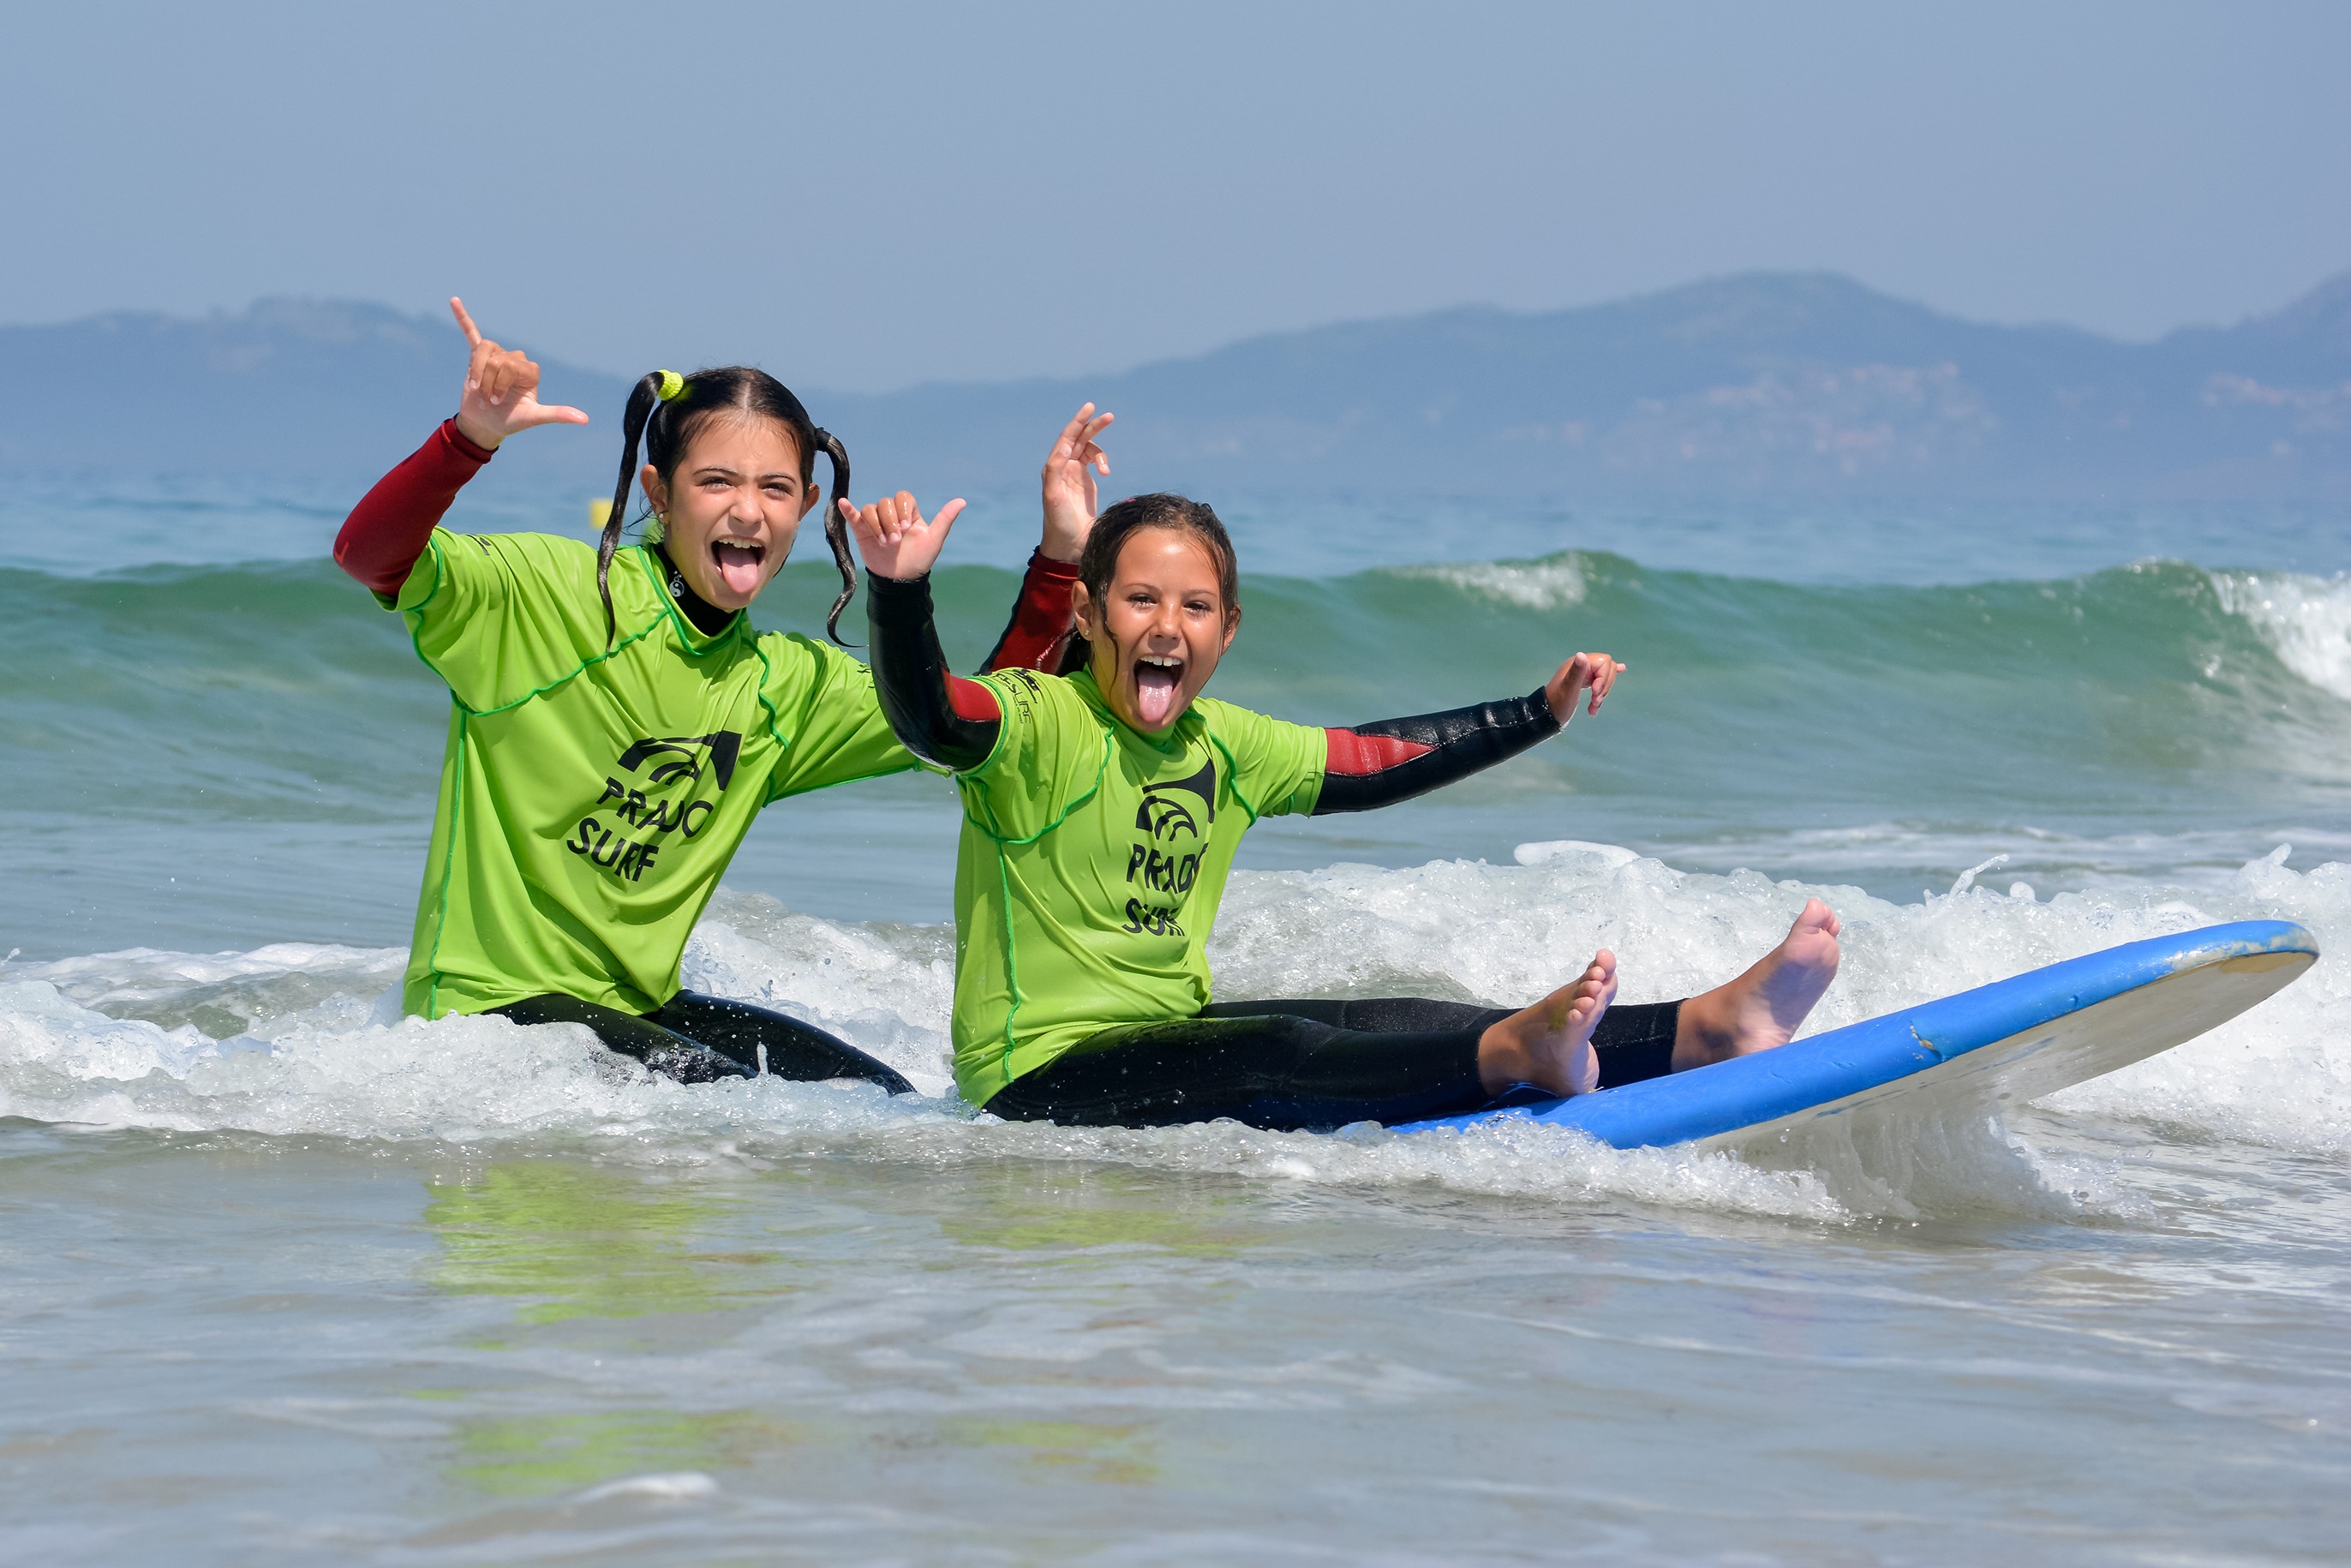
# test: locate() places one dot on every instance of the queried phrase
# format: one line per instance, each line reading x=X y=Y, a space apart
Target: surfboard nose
x=2247 y=941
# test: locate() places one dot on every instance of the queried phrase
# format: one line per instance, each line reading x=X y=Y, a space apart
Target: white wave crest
x=1553 y=584
x=2306 y=621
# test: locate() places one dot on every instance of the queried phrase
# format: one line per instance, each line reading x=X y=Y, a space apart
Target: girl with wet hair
x=615 y=724
x=1102 y=810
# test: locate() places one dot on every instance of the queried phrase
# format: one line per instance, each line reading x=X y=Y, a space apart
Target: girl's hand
x=1596 y=671
x=501 y=393
x=894 y=540
x=1069 y=477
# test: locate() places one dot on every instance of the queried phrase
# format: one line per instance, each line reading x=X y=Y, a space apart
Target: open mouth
x=737 y=564
x=1158 y=681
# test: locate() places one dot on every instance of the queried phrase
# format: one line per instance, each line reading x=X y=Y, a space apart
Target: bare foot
x=1763 y=1007
x=1548 y=1044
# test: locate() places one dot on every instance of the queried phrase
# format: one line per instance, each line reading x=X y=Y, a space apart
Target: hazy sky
x=864 y=195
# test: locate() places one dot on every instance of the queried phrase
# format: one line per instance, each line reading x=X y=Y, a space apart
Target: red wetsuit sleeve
x=1359 y=755
x=392 y=523
x=1042 y=627
x=1372 y=765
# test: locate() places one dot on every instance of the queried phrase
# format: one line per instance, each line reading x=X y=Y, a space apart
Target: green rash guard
x=1091 y=863
x=592 y=795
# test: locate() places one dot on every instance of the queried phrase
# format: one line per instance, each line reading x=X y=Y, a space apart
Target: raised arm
x=1042 y=633
x=942 y=718
x=388 y=528
x=1373 y=764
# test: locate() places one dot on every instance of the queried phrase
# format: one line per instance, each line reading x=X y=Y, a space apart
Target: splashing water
x=294 y=1039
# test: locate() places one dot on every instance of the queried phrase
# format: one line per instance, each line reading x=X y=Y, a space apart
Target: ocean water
x=285 y=1278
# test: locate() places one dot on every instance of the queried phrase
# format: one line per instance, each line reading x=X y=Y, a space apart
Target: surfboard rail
x=1826 y=1073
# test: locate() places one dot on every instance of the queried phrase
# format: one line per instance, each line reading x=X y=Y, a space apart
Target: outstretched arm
x=388 y=529
x=1373 y=764
x=942 y=718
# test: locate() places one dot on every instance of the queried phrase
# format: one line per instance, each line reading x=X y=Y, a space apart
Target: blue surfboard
x=2001 y=1044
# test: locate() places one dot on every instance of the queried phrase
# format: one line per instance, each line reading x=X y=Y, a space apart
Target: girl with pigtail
x=615 y=724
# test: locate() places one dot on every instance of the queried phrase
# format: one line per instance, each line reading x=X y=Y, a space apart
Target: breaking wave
x=298 y=1039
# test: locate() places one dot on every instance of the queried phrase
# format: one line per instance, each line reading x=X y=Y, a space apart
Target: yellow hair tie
x=673 y=386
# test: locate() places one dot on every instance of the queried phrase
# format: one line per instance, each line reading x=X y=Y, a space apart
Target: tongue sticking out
x=739 y=566
x=1154 y=694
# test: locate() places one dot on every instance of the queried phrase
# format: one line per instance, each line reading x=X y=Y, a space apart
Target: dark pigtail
x=644 y=397
x=836 y=530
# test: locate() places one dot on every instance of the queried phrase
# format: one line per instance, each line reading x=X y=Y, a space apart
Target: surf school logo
x=1178 y=816
x=1165 y=812
x=648 y=811
x=684 y=756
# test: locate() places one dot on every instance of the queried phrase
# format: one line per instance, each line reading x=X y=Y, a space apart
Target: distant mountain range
x=1768 y=384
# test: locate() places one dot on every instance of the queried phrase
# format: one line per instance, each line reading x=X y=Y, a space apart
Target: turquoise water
x=197 y=742
x=284 y=1278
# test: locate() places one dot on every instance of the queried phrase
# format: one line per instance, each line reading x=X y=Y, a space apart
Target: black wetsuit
x=1308 y=1066
x=696 y=1038
x=1289 y=1064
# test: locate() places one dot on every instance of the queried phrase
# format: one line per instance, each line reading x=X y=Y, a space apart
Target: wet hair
x=667 y=429
x=1125 y=520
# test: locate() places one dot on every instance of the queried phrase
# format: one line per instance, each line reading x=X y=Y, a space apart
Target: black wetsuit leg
x=1280 y=1071
x=698 y=1040
x=1635 y=1040
x=795 y=1050
x=666 y=1051
x=1305 y=1065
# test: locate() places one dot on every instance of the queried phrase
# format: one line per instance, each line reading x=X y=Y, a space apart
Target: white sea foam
x=2306 y=620
x=683 y=1486
x=1608 y=855
x=2201 y=856
x=80 y=1040
x=1553 y=584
